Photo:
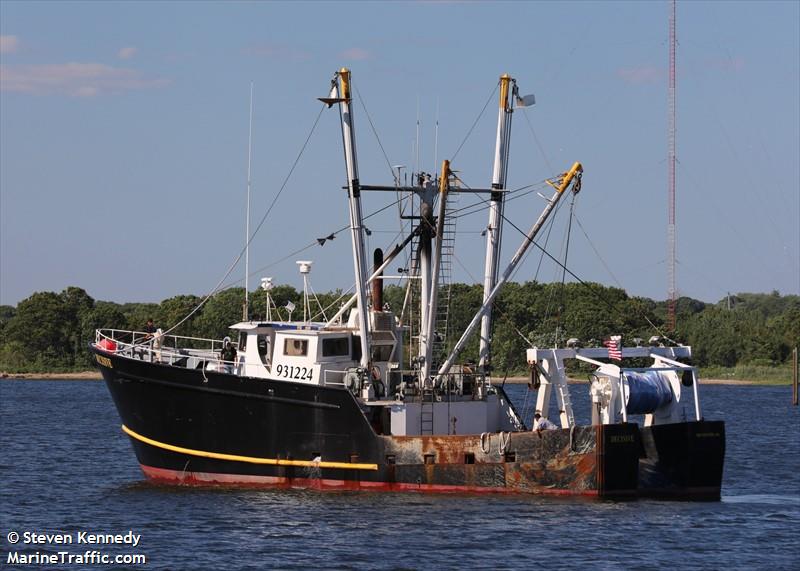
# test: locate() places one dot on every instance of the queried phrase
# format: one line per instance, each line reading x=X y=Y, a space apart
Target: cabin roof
x=277 y=325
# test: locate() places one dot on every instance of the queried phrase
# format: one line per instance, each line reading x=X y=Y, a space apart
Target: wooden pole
x=794 y=377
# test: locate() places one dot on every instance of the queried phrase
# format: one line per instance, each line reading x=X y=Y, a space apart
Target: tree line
x=49 y=332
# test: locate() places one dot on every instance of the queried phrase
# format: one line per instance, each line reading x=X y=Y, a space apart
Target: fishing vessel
x=365 y=401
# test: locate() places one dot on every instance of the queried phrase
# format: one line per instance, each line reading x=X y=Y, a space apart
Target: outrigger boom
x=573 y=174
x=329 y=405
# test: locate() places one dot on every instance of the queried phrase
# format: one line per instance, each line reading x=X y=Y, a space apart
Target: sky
x=124 y=138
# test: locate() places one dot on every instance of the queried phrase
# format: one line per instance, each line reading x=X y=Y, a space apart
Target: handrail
x=99 y=333
x=164 y=348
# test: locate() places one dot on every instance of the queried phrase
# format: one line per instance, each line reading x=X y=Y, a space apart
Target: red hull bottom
x=163 y=475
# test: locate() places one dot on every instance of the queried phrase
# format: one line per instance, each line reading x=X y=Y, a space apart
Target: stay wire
x=563 y=273
x=238 y=258
x=485 y=105
x=314 y=243
x=596 y=253
x=538 y=144
x=375 y=132
x=474 y=207
x=597 y=294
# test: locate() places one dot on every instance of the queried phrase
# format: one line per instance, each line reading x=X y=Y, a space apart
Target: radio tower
x=671 y=291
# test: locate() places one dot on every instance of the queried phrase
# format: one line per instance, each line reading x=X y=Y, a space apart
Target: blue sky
x=123 y=137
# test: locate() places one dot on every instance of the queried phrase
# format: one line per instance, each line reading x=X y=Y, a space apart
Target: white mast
x=424 y=268
x=434 y=285
x=566 y=178
x=246 y=308
x=356 y=225
x=495 y=228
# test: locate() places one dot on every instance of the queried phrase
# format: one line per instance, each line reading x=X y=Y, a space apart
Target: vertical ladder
x=413 y=318
x=565 y=402
x=445 y=282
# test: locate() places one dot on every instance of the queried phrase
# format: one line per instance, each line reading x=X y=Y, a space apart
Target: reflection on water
x=65 y=465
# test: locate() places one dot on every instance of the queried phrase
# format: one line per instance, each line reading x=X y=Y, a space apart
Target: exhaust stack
x=377 y=282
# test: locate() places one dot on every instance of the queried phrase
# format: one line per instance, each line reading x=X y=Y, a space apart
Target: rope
x=602 y=261
x=375 y=132
x=564 y=273
x=484 y=449
x=538 y=144
x=597 y=294
x=217 y=287
x=334 y=302
x=475 y=122
x=479 y=206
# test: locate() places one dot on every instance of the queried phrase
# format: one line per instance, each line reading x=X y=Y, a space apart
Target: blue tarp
x=648 y=391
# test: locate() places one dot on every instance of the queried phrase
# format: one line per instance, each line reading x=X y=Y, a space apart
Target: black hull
x=194 y=427
x=682 y=461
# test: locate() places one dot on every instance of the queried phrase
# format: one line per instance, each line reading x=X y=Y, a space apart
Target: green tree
x=77 y=306
x=219 y=313
x=35 y=336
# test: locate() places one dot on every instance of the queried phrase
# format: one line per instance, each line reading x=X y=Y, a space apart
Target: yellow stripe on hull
x=248 y=459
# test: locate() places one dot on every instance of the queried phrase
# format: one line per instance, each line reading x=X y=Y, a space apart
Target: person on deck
x=540 y=423
x=228 y=354
x=149 y=328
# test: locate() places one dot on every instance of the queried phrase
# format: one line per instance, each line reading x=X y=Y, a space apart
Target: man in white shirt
x=540 y=423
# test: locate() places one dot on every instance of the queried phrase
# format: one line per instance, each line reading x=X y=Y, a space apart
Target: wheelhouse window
x=382 y=352
x=263 y=348
x=335 y=347
x=295 y=347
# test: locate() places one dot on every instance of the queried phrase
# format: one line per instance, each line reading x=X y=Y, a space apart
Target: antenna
x=671 y=291
x=436 y=139
x=246 y=308
x=417 y=167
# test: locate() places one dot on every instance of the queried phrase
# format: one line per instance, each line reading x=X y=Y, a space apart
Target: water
x=65 y=466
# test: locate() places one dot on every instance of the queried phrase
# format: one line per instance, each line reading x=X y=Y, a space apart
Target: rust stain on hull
x=554 y=461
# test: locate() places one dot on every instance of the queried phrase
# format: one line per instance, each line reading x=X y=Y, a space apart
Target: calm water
x=65 y=466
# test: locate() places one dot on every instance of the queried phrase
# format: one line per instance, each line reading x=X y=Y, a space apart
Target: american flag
x=614 y=344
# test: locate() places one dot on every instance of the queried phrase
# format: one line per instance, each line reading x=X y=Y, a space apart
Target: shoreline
x=76 y=376
x=96 y=376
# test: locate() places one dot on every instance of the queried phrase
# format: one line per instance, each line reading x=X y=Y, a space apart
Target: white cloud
x=8 y=44
x=75 y=79
x=642 y=74
x=355 y=54
x=126 y=52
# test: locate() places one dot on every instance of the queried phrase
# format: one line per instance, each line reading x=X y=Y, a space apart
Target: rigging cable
x=538 y=144
x=217 y=287
x=485 y=105
x=313 y=243
x=597 y=294
x=564 y=273
x=375 y=132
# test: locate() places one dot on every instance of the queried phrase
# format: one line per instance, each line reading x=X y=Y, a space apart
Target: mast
x=356 y=224
x=246 y=307
x=437 y=260
x=424 y=267
x=495 y=227
x=573 y=174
